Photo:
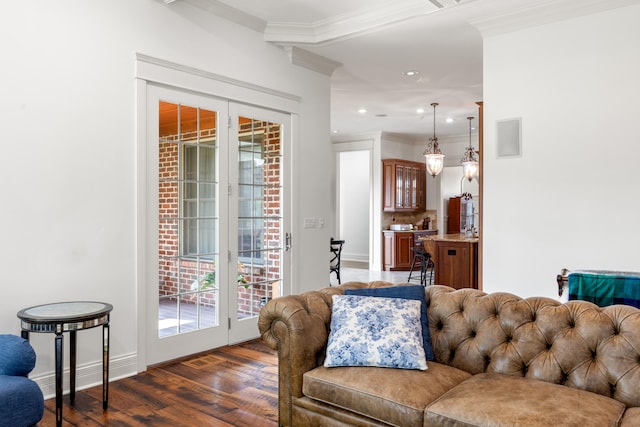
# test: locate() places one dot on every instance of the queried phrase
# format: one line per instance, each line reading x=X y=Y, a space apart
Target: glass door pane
x=186 y=165
x=260 y=200
x=188 y=219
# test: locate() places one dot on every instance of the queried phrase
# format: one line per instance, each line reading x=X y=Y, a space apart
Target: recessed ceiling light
x=420 y=110
x=381 y=115
x=334 y=131
x=449 y=120
x=362 y=110
x=411 y=73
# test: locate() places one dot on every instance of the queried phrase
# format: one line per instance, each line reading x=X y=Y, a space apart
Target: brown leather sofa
x=500 y=360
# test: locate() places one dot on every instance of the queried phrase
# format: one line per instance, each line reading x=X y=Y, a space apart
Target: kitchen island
x=456 y=259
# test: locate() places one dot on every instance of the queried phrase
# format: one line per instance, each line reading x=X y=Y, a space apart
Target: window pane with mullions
x=199 y=236
x=198 y=200
x=199 y=163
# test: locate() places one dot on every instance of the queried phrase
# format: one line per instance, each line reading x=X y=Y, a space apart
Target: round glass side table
x=71 y=316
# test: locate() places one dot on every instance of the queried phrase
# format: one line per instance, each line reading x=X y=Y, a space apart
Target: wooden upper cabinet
x=403 y=186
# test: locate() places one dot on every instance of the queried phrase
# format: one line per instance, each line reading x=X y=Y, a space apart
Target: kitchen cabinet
x=403 y=186
x=397 y=250
x=397 y=253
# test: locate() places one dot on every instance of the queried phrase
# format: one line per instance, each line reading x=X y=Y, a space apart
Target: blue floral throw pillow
x=406 y=292
x=375 y=331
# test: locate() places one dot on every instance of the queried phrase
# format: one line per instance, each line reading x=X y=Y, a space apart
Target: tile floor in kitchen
x=357 y=271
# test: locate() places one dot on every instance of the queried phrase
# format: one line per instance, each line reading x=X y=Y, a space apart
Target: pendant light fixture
x=433 y=156
x=470 y=165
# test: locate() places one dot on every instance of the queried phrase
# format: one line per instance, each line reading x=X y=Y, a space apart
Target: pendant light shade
x=470 y=164
x=433 y=156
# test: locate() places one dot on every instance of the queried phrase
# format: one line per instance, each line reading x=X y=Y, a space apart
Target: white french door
x=258 y=202
x=215 y=220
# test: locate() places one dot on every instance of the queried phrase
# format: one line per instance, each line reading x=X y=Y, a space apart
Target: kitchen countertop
x=409 y=231
x=456 y=237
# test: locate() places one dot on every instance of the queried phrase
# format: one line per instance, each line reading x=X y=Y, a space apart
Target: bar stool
x=335 y=247
x=426 y=265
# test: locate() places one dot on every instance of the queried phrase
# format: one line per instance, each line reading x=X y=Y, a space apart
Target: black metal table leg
x=59 y=355
x=105 y=366
x=73 y=345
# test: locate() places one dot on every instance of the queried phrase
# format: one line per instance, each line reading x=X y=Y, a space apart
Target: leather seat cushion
x=631 y=418
x=504 y=400
x=394 y=396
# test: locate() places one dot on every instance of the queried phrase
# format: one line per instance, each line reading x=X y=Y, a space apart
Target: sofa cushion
x=415 y=292
x=372 y=331
x=394 y=396
x=631 y=418
x=504 y=400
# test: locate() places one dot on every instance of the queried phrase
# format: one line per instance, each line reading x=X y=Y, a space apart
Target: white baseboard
x=88 y=375
x=346 y=256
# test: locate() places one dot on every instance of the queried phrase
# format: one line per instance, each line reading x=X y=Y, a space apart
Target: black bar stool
x=336 y=251
x=426 y=265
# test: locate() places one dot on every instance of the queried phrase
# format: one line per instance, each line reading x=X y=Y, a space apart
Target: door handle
x=287 y=241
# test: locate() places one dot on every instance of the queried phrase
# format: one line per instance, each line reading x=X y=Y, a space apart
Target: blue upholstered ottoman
x=21 y=401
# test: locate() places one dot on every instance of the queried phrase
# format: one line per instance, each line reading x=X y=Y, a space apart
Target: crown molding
x=544 y=12
x=227 y=12
x=349 y=25
x=311 y=61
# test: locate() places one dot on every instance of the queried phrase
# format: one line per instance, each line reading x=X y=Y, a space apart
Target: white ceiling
x=367 y=45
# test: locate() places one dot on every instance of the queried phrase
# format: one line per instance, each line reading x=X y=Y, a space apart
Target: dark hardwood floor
x=230 y=386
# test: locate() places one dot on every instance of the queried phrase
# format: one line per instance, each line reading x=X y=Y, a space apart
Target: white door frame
x=375 y=202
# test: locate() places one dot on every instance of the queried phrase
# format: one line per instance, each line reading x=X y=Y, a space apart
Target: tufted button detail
x=549 y=346
x=525 y=368
x=533 y=317
x=439 y=325
x=593 y=354
x=473 y=334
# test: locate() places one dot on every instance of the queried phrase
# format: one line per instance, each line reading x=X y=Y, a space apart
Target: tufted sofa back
x=577 y=344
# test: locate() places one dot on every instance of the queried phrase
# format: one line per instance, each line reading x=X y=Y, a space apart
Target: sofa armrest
x=297 y=326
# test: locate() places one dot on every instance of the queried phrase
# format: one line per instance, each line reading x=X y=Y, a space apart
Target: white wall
x=68 y=166
x=571 y=199
x=355 y=204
